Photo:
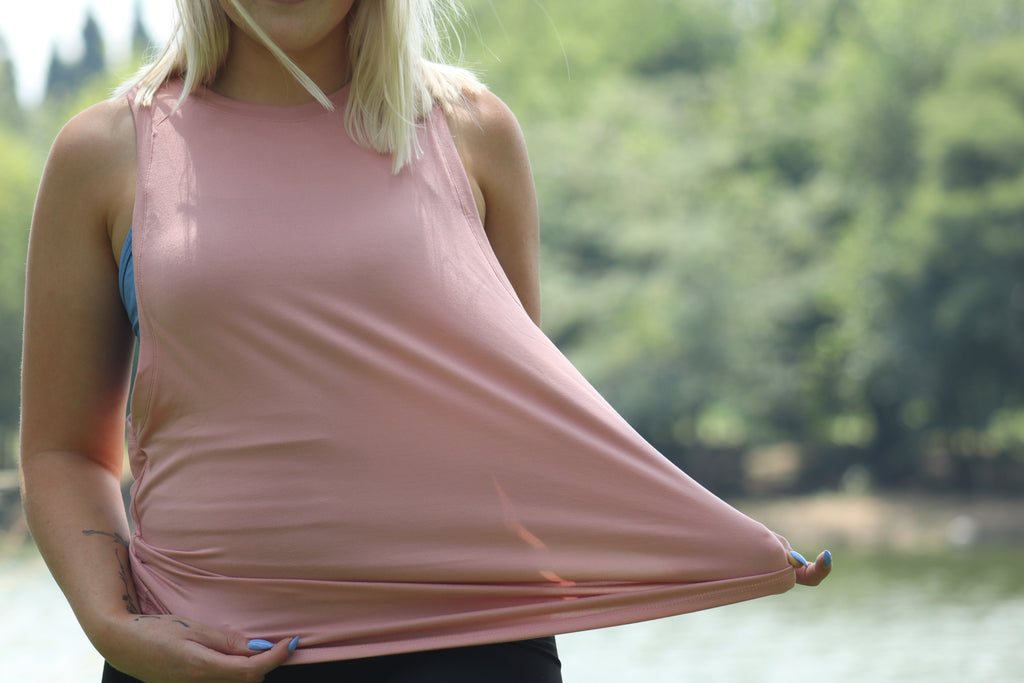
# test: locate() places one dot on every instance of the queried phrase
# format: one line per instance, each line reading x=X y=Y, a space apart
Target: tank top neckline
x=274 y=112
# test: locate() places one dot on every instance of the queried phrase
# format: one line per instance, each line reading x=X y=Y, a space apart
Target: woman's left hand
x=811 y=574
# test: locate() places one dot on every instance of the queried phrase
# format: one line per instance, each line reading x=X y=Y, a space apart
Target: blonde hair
x=397 y=56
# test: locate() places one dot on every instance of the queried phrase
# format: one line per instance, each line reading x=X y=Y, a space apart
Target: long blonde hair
x=397 y=54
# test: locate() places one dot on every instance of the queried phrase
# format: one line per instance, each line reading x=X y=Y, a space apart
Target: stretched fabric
x=345 y=426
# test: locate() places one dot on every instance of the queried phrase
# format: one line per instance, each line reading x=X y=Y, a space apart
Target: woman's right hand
x=172 y=649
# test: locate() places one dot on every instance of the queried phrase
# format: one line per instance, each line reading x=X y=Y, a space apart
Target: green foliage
x=781 y=221
x=960 y=280
x=10 y=111
x=18 y=179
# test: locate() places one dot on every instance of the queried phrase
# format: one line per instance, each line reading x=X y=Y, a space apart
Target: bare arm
x=76 y=365
x=75 y=374
x=494 y=154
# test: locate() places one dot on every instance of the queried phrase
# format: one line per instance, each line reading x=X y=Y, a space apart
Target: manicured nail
x=798 y=557
x=260 y=645
x=828 y=558
x=293 y=644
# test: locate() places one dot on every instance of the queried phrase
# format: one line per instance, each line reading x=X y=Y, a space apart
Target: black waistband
x=522 y=661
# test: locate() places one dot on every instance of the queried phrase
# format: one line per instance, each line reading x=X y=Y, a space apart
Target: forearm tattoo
x=130 y=604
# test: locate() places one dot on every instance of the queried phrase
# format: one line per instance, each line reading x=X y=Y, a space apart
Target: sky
x=31 y=27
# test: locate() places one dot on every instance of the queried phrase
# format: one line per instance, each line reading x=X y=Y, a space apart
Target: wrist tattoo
x=129 y=602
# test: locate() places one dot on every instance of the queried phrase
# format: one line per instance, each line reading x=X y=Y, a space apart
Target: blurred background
x=784 y=238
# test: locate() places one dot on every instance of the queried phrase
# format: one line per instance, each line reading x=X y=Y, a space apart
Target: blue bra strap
x=126 y=283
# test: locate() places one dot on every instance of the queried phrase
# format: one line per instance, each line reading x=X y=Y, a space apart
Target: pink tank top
x=345 y=426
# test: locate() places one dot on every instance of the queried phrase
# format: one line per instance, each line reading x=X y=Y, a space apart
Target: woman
x=348 y=434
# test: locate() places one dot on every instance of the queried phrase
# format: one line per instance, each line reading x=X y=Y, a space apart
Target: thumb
x=273 y=656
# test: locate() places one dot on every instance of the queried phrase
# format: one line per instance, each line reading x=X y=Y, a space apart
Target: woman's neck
x=252 y=74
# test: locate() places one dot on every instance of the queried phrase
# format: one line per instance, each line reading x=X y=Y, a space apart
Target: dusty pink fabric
x=345 y=427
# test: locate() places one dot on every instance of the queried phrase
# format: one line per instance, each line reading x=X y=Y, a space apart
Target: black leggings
x=523 y=661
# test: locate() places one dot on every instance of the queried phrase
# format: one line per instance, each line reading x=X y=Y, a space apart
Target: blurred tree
x=60 y=77
x=93 y=61
x=722 y=235
x=10 y=111
x=18 y=178
x=65 y=79
x=956 y=280
x=142 y=43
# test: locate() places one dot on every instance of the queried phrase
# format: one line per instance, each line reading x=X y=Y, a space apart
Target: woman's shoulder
x=99 y=136
x=91 y=167
x=489 y=140
x=483 y=124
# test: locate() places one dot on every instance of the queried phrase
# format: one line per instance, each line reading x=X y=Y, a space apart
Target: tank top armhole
x=146 y=119
x=451 y=162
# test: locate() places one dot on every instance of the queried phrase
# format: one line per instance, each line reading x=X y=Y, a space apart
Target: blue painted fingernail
x=828 y=558
x=293 y=644
x=260 y=645
x=798 y=557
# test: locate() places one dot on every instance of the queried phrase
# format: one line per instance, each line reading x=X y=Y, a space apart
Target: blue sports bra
x=126 y=283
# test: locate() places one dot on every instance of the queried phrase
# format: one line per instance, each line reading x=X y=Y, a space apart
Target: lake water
x=952 y=617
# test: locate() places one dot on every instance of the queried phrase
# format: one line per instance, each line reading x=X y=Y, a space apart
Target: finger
x=268 y=660
x=796 y=560
x=814 y=574
x=252 y=666
x=261 y=645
